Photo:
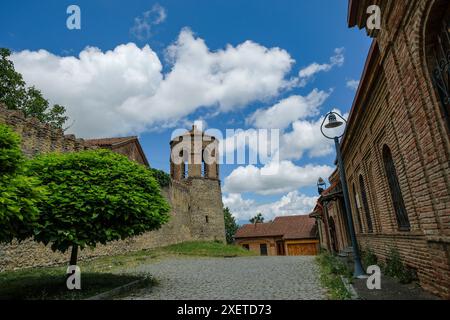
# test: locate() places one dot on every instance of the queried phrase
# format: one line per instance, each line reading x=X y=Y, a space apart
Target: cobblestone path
x=249 y=278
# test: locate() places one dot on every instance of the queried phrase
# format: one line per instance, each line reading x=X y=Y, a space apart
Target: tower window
x=207 y=219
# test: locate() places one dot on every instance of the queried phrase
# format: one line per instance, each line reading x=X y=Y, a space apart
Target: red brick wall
x=397 y=106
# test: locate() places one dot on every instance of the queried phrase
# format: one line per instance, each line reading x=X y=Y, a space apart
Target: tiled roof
x=108 y=142
x=290 y=227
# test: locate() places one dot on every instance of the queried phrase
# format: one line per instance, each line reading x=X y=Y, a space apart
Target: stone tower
x=194 y=170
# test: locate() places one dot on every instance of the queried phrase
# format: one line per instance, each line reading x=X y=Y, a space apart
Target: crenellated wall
x=38 y=137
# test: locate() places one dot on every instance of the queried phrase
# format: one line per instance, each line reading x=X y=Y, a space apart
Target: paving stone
x=249 y=278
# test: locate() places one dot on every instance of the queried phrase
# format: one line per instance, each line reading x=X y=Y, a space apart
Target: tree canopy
x=19 y=194
x=95 y=196
x=15 y=94
x=230 y=225
x=257 y=219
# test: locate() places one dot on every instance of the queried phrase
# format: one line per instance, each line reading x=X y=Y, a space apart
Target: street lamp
x=333 y=123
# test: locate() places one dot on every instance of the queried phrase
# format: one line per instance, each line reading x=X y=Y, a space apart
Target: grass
x=207 y=249
x=103 y=273
x=331 y=270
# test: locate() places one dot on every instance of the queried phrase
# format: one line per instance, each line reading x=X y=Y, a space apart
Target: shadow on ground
x=52 y=286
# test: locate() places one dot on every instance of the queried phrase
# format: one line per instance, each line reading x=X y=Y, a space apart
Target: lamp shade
x=333 y=122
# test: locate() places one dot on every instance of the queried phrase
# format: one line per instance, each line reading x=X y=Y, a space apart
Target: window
x=263 y=249
x=206 y=219
x=396 y=192
x=365 y=203
x=246 y=246
x=439 y=60
x=358 y=217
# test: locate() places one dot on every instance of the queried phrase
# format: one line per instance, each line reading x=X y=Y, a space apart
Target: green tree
x=257 y=219
x=17 y=96
x=162 y=177
x=19 y=194
x=95 y=196
x=230 y=225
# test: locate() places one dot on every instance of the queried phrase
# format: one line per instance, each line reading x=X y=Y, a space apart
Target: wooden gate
x=302 y=249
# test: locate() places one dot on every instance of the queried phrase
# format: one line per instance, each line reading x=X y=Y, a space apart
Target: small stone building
x=396 y=148
x=291 y=236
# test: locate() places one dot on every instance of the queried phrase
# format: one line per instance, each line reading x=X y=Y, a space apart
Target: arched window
x=396 y=192
x=358 y=217
x=365 y=203
x=438 y=55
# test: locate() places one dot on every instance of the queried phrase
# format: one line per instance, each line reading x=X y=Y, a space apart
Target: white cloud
x=292 y=203
x=123 y=91
x=288 y=110
x=95 y=85
x=274 y=178
x=142 y=28
x=353 y=84
x=307 y=73
x=305 y=138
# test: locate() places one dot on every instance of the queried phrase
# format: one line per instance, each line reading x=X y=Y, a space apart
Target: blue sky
x=209 y=38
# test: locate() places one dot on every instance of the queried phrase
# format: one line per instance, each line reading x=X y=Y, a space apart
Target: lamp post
x=333 y=123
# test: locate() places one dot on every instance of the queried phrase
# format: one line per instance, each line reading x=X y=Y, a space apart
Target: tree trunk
x=74 y=255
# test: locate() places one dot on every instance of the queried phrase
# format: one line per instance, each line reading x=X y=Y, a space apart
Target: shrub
x=369 y=258
x=396 y=269
x=19 y=195
x=95 y=196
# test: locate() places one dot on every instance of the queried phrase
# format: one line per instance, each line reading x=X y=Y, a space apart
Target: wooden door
x=280 y=248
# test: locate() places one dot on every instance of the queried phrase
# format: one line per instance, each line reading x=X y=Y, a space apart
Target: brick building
x=396 y=148
x=291 y=235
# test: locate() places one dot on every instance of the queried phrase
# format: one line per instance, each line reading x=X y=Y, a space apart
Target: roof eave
x=352 y=13
x=366 y=81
